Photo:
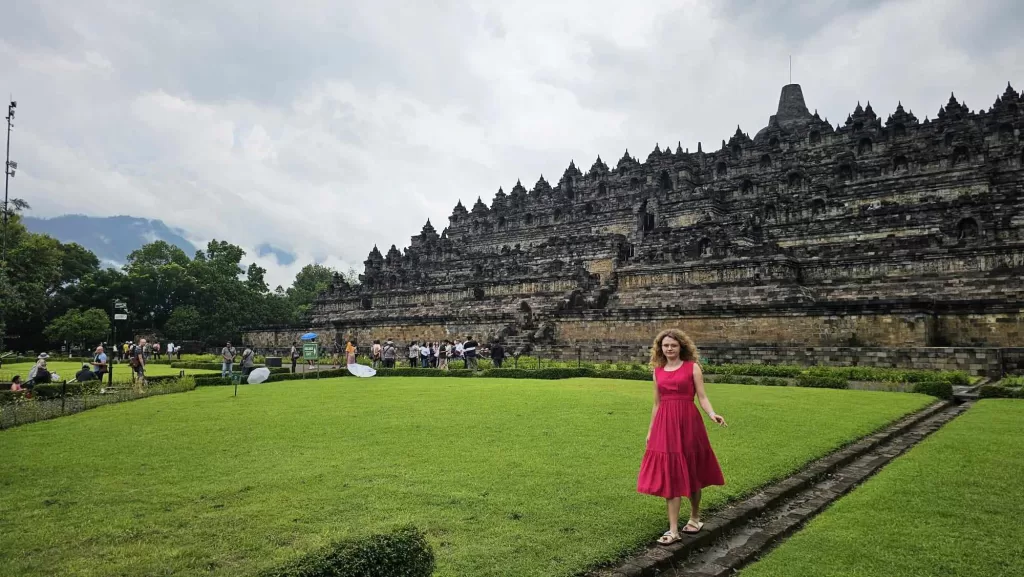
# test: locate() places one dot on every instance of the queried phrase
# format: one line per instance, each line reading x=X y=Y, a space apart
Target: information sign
x=309 y=351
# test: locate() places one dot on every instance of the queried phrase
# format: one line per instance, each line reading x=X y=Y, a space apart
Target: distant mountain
x=111 y=238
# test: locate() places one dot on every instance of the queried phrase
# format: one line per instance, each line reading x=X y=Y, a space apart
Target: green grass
x=122 y=372
x=952 y=506
x=508 y=477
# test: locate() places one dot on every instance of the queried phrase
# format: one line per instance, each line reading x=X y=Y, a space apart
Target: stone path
x=742 y=532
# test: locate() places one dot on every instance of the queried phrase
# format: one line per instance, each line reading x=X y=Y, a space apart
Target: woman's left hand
x=720 y=420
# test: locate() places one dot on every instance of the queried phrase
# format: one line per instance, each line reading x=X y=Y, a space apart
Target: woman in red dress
x=679 y=460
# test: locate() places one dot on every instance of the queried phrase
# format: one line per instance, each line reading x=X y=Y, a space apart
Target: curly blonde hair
x=687 y=351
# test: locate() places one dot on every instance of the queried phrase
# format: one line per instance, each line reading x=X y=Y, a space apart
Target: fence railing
x=22 y=409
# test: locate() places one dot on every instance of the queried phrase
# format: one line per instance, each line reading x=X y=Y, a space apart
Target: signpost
x=122 y=306
x=311 y=352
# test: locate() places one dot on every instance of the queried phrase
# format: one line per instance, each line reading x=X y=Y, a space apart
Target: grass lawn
x=508 y=477
x=952 y=506
x=66 y=370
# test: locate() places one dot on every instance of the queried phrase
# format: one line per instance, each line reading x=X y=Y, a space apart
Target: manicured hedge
x=821 y=382
x=891 y=375
x=754 y=370
x=411 y=372
x=8 y=397
x=404 y=553
x=1000 y=392
x=631 y=375
x=774 y=382
x=552 y=373
x=935 y=388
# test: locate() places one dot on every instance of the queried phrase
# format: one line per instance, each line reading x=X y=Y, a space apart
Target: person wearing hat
x=39 y=374
x=389 y=353
x=85 y=374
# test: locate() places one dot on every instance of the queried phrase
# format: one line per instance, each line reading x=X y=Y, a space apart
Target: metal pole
x=7 y=178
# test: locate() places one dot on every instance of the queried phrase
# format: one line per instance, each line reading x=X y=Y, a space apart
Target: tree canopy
x=51 y=292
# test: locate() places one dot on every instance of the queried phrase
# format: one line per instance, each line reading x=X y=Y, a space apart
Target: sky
x=318 y=128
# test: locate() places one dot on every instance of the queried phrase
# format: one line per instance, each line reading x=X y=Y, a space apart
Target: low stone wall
x=978 y=361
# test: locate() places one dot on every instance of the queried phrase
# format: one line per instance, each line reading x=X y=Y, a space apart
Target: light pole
x=9 y=168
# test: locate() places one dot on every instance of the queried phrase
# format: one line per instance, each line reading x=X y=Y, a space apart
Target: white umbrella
x=361 y=370
x=258 y=375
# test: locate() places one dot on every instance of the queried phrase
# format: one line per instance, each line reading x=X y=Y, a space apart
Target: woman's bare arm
x=702 y=396
x=654 y=410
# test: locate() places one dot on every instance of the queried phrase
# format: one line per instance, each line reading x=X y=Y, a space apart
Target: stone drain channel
x=740 y=533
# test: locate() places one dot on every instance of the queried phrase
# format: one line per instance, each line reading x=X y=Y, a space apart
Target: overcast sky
x=323 y=127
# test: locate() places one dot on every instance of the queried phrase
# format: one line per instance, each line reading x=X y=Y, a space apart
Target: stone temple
x=879 y=237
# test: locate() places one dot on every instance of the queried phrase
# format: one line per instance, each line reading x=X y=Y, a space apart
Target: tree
x=255 y=279
x=184 y=324
x=83 y=328
x=309 y=282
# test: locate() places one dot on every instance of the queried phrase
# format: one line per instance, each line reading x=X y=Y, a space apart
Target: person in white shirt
x=414 y=355
x=425 y=355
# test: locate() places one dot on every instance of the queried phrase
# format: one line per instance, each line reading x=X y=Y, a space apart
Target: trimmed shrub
x=211 y=380
x=552 y=373
x=893 y=375
x=821 y=382
x=774 y=382
x=9 y=397
x=404 y=553
x=1000 y=392
x=753 y=370
x=741 y=380
x=411 y=372
x=935 y=389
x=631 y=375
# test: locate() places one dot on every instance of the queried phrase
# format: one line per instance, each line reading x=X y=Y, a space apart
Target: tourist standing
x=679 y=460
x=156 y=350
x=425 y=355
x=227 y=358
x=469 y=349
x=248 y=361
x=138 y=364
x=170 y=351
x=414 y=355
x=497 y=355
x=350 y=352
x=99 y=363
x=458 y=350
x=389 y=353
x=375 y=351
x=442 y=356
x=294 y=354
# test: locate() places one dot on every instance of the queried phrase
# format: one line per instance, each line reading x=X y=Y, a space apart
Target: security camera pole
x=9 y=168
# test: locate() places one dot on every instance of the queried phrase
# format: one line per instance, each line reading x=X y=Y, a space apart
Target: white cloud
x=324 y=128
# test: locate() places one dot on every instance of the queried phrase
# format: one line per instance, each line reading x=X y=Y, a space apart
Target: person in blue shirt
x=99 y=363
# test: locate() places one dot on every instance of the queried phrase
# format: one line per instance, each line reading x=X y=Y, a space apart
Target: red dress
x=679 y=460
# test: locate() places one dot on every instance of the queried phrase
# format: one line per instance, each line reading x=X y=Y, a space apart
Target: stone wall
x=978 y=361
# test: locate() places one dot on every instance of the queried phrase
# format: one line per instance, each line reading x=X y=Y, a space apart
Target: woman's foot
x=693 y=527
x=669 y=537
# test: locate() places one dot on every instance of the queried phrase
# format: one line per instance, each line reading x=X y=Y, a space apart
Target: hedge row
x=217 y=366
x=754 y=370
x=403 y=553
x=1000 y=392
x=938 y=389
x=821 y=382
x=891 y=375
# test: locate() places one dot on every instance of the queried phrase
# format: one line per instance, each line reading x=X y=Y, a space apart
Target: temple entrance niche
x=646 y=219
